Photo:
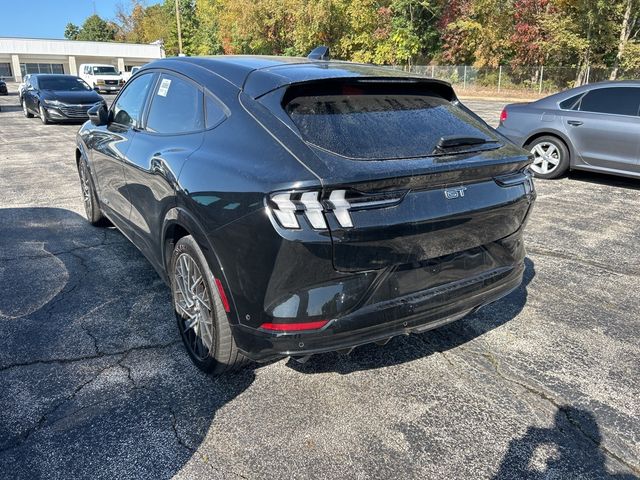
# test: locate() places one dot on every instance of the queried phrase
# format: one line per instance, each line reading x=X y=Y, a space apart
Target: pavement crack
x=573 y=257
x=26 y=434
x=180 y=440
x=89 y=357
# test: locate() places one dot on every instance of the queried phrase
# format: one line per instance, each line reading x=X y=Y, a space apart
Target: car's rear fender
x=179 y=222
x=554 y=132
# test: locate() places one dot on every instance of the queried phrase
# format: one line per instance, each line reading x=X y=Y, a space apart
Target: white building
x=19 y=56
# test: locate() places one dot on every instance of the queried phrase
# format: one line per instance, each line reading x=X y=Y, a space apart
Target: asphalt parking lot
x=94 y=381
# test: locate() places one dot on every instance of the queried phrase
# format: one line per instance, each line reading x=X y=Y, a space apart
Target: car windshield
x=383 y=125
x=105 y=71
x=69 y=84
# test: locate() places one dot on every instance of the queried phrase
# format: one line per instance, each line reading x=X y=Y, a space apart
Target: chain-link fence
x=522 y=81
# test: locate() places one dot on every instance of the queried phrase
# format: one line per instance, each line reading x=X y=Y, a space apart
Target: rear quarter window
x=377 y=124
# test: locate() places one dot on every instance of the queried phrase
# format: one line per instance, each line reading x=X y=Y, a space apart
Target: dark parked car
x=594 y=127
x=3 y=88
x=298 y=206
x=58 y=98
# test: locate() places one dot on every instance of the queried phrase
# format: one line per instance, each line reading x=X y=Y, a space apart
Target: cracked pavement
x=94 y=381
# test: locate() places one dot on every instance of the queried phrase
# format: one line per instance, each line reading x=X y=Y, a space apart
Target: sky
x=47 y=18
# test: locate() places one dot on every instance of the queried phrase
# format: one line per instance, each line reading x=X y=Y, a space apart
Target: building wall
x=71 y=54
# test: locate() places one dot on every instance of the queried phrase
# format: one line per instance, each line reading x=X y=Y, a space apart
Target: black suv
x=298 y=206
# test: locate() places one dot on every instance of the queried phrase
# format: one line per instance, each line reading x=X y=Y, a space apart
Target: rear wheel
x=200 y=314
x=89 y=196
x=25 y=110
x=550 y=157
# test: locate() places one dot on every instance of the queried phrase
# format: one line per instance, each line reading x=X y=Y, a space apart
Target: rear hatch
x=408 y=173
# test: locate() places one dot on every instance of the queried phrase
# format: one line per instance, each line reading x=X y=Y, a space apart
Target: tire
x=43 y=115
x=25 y=111
x=547 y=150
x=202 y=320
x=89 y=196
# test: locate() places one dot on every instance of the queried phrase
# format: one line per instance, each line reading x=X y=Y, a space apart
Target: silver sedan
x=595 y=127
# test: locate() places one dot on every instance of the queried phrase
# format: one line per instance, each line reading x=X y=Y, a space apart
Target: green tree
x=157 y=25
x=96 y=29
x=71 y=31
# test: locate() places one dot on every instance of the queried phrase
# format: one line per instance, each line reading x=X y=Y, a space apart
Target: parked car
x=58 y=98
x=102 y=78
x=595 y=127
x=23 y=86
x=298 y=206
x=3 y=87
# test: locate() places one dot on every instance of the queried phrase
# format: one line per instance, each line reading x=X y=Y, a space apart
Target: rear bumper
x=413 y=313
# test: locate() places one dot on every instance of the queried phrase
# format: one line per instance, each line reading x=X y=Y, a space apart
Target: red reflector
x=503 y=115
x=223 y=296
x=280 y=327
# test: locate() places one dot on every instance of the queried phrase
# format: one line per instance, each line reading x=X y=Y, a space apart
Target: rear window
x=383 y=123
x=69 y=84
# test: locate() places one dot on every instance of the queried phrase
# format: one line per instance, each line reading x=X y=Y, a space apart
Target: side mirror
x=99 y=115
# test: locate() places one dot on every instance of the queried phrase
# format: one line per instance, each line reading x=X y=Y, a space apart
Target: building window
x=5 y=70
x=26 y=68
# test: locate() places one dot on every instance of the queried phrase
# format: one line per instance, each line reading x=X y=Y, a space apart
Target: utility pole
x=179 y=29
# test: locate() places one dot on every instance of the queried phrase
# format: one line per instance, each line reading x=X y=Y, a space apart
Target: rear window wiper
x=455 y=142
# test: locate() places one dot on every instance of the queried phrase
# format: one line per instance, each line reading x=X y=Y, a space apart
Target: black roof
x=257 y=75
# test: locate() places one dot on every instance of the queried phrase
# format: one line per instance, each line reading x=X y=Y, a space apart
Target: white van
x=102 y=78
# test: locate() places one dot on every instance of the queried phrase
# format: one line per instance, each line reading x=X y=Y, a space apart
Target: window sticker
x=164 y=87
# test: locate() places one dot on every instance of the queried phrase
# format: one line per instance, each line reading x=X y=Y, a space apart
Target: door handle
x=575 y=123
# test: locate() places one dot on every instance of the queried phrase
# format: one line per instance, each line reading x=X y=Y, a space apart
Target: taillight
x=503 y=115
x=288 y=206
x=294 y=327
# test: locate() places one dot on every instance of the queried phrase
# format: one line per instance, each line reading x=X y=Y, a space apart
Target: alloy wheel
x=43 y=114
x=546 y=157
x=86 y=188
x=193 y=303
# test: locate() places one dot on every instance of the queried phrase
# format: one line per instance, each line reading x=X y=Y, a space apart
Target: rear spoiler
x=314 y=73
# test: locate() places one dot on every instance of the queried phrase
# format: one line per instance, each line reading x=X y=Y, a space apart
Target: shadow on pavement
x=570 y=448
x=605 y=180
x=94 y=380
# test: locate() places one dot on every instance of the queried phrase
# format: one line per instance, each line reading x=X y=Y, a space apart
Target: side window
x=571 y=103
x=176 y=107
x=616 y=100
x=128 y=108
x=214 y=112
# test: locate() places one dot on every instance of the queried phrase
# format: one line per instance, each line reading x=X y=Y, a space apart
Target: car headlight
x=52 y=103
